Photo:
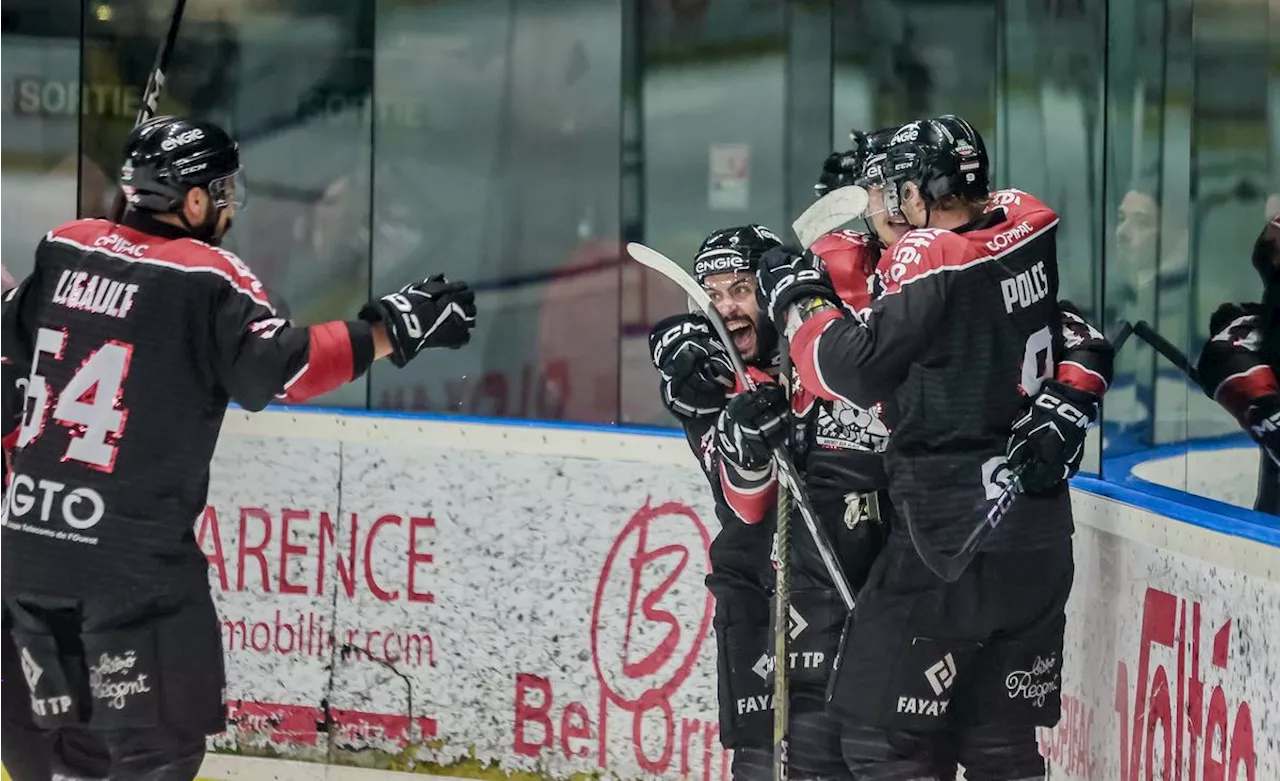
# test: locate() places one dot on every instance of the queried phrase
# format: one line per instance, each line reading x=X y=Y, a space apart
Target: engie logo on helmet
x=723 y=262
x=908 y=133
x=182 y=139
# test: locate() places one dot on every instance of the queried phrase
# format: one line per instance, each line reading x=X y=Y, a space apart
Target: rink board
x=485 y=600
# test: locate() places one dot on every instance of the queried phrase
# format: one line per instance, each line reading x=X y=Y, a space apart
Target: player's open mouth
x=744 y=335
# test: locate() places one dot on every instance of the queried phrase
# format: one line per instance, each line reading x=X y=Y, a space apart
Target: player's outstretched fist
x=432 y=313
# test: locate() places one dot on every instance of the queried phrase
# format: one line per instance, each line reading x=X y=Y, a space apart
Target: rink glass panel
x=519 y=144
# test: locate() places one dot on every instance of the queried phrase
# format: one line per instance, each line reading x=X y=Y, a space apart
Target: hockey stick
x=830 y=212
x=788 y=476
x=949 y=568
x=151 y=93
x=782 y=603
x=1126 y=330
x=1173 y=355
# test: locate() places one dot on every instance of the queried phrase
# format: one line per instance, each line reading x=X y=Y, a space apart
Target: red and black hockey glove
x=752 y=425
x=696 y=372
x=1048 y=441
x=432 y=313
x=1263 y=419
x=785 y=278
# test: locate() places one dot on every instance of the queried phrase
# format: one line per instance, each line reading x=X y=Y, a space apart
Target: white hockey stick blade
x=671 y=270
x=830 y=212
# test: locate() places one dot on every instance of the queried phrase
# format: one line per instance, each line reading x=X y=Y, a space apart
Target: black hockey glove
x=432 y=313
x=696 y=372
x=1049 y=439
x=752 y=425
x=784 y=278
x=1264 y=424
x=838 y=170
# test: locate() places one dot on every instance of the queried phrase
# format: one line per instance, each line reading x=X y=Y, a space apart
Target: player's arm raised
x=259 y=356
x=861 y=359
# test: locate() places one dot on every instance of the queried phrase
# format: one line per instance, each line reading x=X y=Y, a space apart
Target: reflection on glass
x=508 y=179
x=41 y=63
x=712 y=80
x=1145 y=236
x=1233 y=264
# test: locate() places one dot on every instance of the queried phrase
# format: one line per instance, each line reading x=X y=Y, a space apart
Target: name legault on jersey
x=94 y=293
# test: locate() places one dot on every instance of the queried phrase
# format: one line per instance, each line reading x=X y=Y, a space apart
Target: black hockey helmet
x=943 y=156
x=733 y=250
x=845 y=168
x=167 y=156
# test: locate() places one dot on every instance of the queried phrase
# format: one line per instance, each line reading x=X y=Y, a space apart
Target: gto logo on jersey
x=1026 y=288
x=114 y=242
x=1006 y=239
x=80 y=508
x=94 y=293
x=182 y=139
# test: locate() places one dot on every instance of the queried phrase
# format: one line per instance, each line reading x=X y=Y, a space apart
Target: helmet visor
x=230 y=190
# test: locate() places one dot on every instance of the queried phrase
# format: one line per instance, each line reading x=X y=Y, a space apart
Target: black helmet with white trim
x=944 y=156
x=733 y=250
x=167 y=156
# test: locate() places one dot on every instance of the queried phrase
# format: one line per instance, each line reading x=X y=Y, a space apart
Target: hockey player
x=730 y=430
x=134 y=337
x=1239 y=365
x=963 y=338
x=697 y=379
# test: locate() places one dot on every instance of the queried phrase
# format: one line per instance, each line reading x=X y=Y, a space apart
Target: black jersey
x=132 y=339
x=966 y=328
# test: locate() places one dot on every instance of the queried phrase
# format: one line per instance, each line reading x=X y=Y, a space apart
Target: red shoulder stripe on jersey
x=330 y=363
x=187 y=255
x=10 y=440
x=804 y=354
x=1238 y=392
x=915 y=256
x=749 y=504
x=1081 y=377
x=83 y=231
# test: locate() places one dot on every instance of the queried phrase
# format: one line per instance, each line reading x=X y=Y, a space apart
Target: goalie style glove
x=696 y=371
x=432 y=313
x=1049 y=439
x=751 y=426
x=785 y=278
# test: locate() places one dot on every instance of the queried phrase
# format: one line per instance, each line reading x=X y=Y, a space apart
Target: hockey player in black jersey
x=730 y=431
x=1239 y=365
x=965 y=340
x=134 y=338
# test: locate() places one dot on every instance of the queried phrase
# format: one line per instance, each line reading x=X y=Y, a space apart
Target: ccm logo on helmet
x=182 y=139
